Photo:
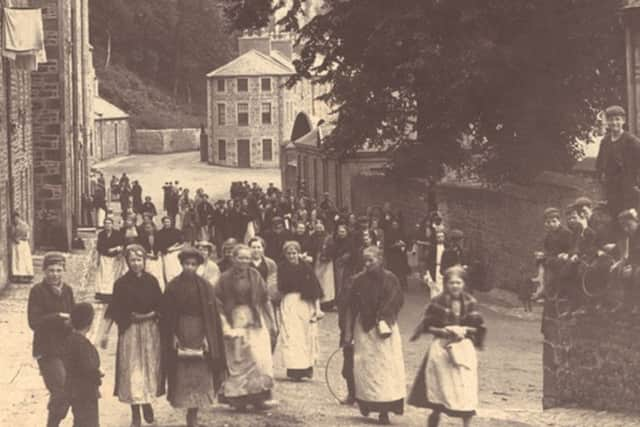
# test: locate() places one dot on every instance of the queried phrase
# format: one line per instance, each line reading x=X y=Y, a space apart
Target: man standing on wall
x=618 y=163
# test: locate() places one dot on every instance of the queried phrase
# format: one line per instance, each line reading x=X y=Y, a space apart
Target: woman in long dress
x=341 y=249
x=246 y=322
x=194 y=347
x=268 y=269
x=373 y=305
x=21 y=260
x=149 y=241
x=209 y=270
x=169 y=245
x=395 y=252
x=323 y=265
x=110 y=263
x=135 y=308
x=299 y=313
x=447 y=381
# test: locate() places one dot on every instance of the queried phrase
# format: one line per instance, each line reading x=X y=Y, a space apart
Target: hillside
x=149 y=106
x=151 y=56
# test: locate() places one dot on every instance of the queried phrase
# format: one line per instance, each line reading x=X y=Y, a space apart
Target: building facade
x=251 y=111
x=304 y=164
x=16 y=161
x=112 y=134
x=62 y=122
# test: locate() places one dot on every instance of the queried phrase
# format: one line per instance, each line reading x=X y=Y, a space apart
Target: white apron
x=324 y=273
x=378 y=365
x=109 y=270
x=21 y=261
x=298 y=337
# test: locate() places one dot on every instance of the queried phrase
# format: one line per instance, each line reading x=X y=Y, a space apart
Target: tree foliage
x=521 y=80
x=172 y=43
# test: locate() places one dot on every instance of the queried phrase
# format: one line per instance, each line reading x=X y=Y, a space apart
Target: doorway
x=244 y=153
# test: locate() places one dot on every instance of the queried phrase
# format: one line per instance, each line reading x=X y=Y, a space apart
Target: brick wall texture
x=16 y=162
x=159 y=141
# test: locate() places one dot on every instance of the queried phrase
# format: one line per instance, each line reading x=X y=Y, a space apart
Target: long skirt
x=298 y=337
x=444 y=385
x=138 y=372
x=324 y=273
x=155 y=267
x=172 y=266
x=109 y=270
x=378 y=368
x=249 y=362
x=21 y=261
x=100 y=216
x=194 y=379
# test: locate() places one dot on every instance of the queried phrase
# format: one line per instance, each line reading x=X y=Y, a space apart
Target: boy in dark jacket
x=82 y=364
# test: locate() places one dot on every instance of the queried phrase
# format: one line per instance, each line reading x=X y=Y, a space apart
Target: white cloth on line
x=24 y=37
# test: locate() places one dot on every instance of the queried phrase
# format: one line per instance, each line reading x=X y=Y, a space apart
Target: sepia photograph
x=340 y=213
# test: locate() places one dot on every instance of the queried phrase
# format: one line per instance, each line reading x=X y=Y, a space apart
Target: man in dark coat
x=49 y=307
x=618 y=163
x=275 y=238
x=136 y=193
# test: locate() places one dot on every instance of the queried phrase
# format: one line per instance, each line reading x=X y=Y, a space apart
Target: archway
x=301 y=126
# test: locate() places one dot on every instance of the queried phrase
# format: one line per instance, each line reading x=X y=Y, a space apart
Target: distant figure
x=21 y=261
x=203 y=144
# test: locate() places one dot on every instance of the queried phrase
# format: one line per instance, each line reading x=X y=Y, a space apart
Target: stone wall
x=159 y=141
x=591 y=361
x=502 y=227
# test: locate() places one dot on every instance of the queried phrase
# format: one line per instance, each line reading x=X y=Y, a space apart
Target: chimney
x=282 y=43
x=260 y=42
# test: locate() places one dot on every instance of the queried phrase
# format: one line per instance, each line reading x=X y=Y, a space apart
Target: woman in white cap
x=135 y=308
x=21 y=260
x=209 y=269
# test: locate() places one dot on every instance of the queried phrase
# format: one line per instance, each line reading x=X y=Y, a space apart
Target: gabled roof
x=104 y=110
x=255 y=63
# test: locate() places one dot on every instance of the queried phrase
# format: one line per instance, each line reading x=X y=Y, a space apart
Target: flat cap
x=190 y=253
x=615 y=111
x=551 y=213
x=51 y=258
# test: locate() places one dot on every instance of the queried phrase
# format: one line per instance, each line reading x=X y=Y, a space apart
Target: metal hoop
x=326 y=374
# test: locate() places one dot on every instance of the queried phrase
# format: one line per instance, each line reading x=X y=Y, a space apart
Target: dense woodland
x=520 y=81
x=151 y=56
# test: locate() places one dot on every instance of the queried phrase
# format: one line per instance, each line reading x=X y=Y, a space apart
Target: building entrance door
x=244 y=153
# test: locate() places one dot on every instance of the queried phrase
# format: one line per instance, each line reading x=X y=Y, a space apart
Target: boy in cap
x=618 y=163
x=82 y=364
x=48 y=310
x=556 y=245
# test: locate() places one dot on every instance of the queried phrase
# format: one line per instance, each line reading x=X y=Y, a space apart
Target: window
x=265 y=84
x=222 y=114
x=243 y=114
x=267 y=150
x=266 y=113
x=221 y=85
x=243 y=85
x=222 y=149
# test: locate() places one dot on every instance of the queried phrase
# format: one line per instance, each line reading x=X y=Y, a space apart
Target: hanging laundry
x=24 y=37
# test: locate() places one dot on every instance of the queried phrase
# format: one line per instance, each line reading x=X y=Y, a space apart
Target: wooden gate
x=244 y=153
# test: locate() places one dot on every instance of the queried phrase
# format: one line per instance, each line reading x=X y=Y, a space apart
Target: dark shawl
x=167 y=237
x=133 y=294
x=106 y=242
x=298 y=278
x=374 y=296
x=438 y=314
x=229 y=297
x=212 y=325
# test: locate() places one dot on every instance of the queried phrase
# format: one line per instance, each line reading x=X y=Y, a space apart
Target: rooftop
x=255 y=63
x=104 y=110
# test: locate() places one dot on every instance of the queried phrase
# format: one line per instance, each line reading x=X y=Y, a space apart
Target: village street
x=510 y=366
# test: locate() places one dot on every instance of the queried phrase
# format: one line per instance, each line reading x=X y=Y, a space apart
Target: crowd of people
x=204 y=296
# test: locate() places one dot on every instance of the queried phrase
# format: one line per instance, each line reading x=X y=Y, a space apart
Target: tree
x=521 y=80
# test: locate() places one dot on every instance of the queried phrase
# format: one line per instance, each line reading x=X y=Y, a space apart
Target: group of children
x=582 y=248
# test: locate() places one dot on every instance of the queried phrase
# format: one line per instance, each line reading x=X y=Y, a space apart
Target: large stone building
x=62 y=97
x=251 y=113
